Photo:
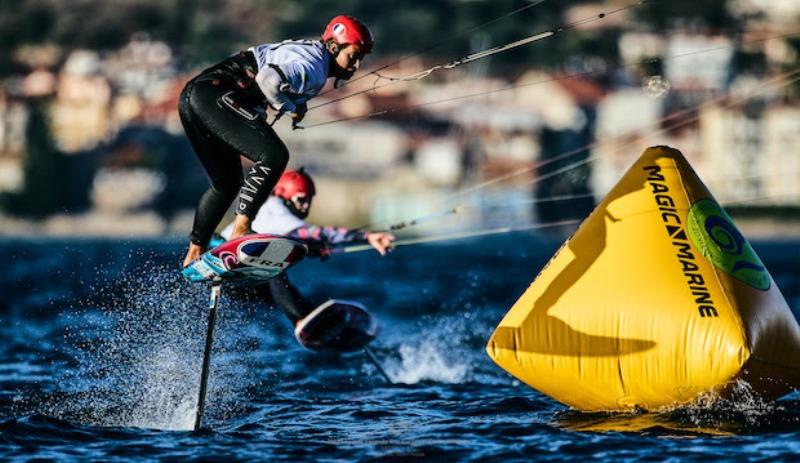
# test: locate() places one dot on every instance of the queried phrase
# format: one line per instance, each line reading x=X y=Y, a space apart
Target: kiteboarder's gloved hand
x=318 y=248
x=324 y=252
x=299 y=113
x=381 y=241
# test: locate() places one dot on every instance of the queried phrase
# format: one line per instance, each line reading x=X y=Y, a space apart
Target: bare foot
x=241 y=226
x=193 y=254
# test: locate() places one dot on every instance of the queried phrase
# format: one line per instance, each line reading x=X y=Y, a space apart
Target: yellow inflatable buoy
x=656 y=300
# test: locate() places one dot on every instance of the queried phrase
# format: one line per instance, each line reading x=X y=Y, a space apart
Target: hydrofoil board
x=335 y=325
x=249 y=258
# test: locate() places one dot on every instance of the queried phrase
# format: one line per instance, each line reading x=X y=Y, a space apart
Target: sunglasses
x=301 y=200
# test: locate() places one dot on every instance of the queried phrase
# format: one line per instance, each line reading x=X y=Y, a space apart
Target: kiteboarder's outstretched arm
x=328 y=236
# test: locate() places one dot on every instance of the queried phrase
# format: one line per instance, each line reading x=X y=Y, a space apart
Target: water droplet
x=656 y=86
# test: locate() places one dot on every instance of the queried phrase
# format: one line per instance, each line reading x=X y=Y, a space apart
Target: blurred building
x=81 y=110
x=697 y=62
x=732 y=145
x=143 y=67
x=781 y=160
x=626 y=120
x=146 y=84
x=347 y=149
x=400 y=150
x=774 y=12
x=753 y=159
x=13 y=121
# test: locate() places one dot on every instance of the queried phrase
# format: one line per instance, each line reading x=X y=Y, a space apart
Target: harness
x=237 y=74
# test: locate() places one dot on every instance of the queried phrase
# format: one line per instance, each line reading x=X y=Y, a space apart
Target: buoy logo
x=714 y=234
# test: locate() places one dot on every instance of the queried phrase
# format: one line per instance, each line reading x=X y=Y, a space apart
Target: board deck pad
x=249 y=258
x=337 y=326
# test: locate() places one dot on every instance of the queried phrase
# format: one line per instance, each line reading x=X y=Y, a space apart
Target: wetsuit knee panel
x=271 y=152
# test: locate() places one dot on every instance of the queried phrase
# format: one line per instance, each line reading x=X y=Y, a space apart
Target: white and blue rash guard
x=291 y=72
x=276 y=219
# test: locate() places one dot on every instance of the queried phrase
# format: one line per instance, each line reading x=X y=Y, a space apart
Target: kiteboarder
x=284 y=213
x=224 y=114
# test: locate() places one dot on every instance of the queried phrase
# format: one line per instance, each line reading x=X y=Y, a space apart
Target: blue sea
x=102 y=348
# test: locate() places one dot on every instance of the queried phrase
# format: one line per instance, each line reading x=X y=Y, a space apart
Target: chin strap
x=336 y=48
x=290 y=205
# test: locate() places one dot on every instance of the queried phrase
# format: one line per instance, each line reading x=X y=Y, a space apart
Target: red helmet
x=348 y=30
x=292 y=183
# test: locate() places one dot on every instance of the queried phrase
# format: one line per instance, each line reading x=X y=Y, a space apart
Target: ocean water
x=102 y=347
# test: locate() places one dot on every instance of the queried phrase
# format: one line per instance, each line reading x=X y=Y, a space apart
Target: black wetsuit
x=278 y=290
x=218 y=112
x=289 y=299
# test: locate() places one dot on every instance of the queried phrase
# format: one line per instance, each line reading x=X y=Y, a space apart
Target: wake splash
x=139 y=358
x=444 y=349
x=740 y=411
x=741 y=405
x=167 y=393
x=427 y=361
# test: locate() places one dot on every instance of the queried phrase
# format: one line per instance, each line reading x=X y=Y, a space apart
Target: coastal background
x=91 y=145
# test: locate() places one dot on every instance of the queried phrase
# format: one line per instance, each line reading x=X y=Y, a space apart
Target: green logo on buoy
x=715 y=235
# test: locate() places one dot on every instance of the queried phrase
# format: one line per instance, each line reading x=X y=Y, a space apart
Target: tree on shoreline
x=39 y=195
